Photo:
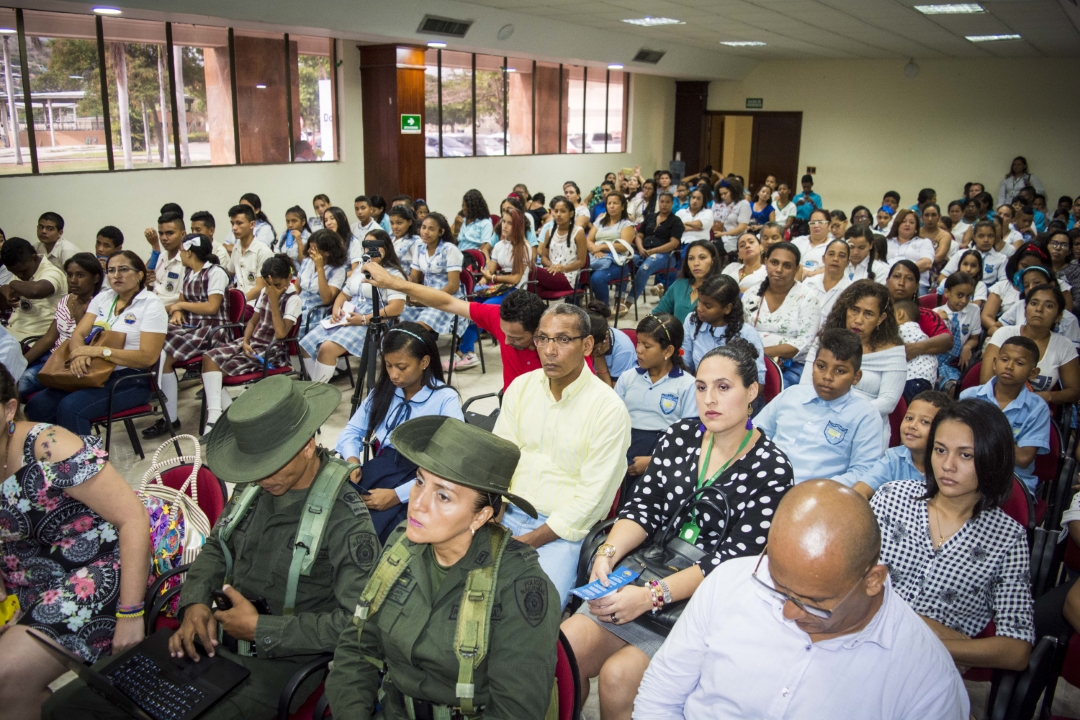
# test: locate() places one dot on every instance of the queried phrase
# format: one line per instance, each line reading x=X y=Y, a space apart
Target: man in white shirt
x=814 y=630
x=248 y=256
x=168 y=277
x=51 y=243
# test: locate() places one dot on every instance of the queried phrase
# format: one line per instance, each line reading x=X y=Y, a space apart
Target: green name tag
x=689 y=532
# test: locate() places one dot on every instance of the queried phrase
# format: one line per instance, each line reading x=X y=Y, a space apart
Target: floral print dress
x=60 y=558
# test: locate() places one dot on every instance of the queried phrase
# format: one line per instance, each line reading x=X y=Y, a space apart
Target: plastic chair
x=307 y=709
x=625 y=273
x=549 y=295
x=235 y=304
x=469 y=284
x=896 y=417
x=474 y=258
x=930 y=301
x=774 y=380
x=1020 y=505
x=567 y=681
x=632 y=334
x=971 y=377
x=487 y=422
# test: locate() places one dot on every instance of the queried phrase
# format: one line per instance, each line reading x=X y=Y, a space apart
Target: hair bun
x=744 y=346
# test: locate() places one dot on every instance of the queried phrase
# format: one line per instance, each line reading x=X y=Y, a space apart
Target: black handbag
x=667 y=554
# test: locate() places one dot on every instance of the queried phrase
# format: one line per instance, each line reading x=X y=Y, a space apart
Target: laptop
x=145 y=682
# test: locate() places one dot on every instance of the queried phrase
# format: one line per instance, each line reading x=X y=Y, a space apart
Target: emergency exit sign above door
x=755 y=103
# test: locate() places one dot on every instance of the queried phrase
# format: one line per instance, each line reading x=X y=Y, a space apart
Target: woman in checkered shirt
x=956 y=558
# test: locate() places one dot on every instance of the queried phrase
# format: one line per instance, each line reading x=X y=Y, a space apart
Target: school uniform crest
x=668 y=403
x=129 y=318
x=835 y=434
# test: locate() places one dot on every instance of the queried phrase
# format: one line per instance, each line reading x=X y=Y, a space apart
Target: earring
x=473 y=531
x=749 y=413
x=11 y=427
x=750 y=409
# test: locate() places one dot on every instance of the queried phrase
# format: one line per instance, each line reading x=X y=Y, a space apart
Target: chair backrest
x=774 y=380
x=615 y=505
x=896 y=417
x=929 y=301
x=468 y=282
x=567 y=681
x=236 y=302
x=474 y=260
x=971 y=377
x=632 y=334
x=212 y=492
x=1019 y=504
x=1047 y=466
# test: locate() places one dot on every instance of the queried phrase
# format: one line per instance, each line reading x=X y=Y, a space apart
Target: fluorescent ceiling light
x=653 y=21
x=614 y=66
x=743 y=43
x=991 y=38
x=954 y=9
x=107 y=11
x=436 y=44
x=7 y=31
x=261 y=87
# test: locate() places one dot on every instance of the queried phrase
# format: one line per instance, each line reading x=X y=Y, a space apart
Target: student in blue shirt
x=908 y=461
x=378 y=213
x=809 y=201
x=613 y=352
x=472 y=226
x=827 y=430
x=717 y=318
x=657 y=392
x=1015 y=365
x=409 y=386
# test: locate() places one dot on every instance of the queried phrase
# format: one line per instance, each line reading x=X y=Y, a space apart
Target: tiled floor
x=469 y=383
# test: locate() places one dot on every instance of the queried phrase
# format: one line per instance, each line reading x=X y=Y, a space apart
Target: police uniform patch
x=481 y=558
x=402 y=590
x=352 y=499
x=364 y=549
x=532 y=600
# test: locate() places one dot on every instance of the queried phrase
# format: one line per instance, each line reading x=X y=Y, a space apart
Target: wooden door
x=690 y=101
x=775 y=149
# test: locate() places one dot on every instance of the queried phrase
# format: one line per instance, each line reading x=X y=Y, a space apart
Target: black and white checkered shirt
x=980 y=573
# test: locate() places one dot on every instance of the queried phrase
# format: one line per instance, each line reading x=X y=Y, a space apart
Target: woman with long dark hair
x=611 y=244
x=905 y=243
x=1016 y=180
x=472 y=226
x=436 y=263
x=701 y=262
x=335 y=221
x=562 y=248
x=409 y=386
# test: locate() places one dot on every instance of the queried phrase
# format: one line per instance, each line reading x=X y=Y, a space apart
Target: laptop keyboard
x=141 y=679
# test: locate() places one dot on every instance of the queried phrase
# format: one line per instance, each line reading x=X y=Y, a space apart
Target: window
x=110 y=93
x=512 y=106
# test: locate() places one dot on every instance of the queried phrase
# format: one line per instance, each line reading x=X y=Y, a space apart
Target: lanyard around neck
x=702 y=482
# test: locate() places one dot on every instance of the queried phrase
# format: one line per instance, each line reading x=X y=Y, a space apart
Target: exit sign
x=410 y=125
x=755 y=103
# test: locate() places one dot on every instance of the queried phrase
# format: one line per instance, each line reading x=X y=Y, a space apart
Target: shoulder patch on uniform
x=402 y=589
x=532 y=598
x=364 y=549
x=352 y=499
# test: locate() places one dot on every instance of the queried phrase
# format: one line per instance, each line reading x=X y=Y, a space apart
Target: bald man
x=810 y=629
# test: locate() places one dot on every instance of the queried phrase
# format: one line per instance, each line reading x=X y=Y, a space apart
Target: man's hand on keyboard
x=198 y=622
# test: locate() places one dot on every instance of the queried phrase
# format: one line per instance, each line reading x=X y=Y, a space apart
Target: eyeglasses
x=562 y=340
x=818 y=222
x=1059 y=246
x=817 y=612
x=122 y=270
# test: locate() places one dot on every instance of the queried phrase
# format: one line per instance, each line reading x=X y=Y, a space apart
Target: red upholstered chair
x=632 y=334
x=930 y=301
x=896 y=417
x=567 y=681
x=971 y=377
x=468 y=283
x=129 y=415
x=774 y=380
x=235 y=305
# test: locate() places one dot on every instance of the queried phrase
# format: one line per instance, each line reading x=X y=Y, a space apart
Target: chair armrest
x=289 y=689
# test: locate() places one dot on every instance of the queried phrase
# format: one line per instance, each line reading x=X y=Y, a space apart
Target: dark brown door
x=691 y=99
x=775 y=149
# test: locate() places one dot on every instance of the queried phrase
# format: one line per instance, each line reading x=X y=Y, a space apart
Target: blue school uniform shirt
x=839 y=439
x=622 y=357
x=442 y=400
x=700 y=339
x=1029 y=417
x=810 y=203
x=384 y=223
x=895 y=464
x=654 y=406
x=474 y=234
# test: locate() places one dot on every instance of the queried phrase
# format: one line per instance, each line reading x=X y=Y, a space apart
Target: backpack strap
x=317 y=508
x=390 y=568
x=474 y=620
x=229 y=522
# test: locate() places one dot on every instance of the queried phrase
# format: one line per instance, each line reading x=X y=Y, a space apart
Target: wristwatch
x=607 y=550
x=106 y=352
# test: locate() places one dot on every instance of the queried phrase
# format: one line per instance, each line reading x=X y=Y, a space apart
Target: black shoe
x=158 y=429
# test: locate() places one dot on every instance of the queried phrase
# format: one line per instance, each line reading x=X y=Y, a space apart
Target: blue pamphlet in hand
x=618 y=577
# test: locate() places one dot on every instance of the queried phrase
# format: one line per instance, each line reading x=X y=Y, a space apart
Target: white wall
x=130 y=200
x=652 y=127
x=868 y=129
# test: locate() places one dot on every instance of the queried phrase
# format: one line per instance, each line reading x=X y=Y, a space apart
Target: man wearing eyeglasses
x=810 y=629
x=573 y=432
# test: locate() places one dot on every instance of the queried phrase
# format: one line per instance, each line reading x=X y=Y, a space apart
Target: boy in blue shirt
x=806 y=203
x=824 y=429
x=907 y=462
x=1016 y=364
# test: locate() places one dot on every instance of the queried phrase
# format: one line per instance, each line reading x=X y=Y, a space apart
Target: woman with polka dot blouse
x=739 y=461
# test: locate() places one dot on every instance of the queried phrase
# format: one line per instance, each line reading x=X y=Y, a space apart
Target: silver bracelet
x=667 y=592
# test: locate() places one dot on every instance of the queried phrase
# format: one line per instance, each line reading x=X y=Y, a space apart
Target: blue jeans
x=468 y=340
x=792 y=372
x=74 y=410
x=28 y=383
x=559 y=558
x=604 y=270
x=651 y=265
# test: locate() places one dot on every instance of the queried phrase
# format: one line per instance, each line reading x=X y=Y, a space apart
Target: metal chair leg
x=134 y=436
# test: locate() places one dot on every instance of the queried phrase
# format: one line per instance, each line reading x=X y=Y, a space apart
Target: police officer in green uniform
x=262 y=547
x=458 y=615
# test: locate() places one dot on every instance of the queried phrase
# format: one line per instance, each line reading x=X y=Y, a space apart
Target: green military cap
x=461 y=453
x=266 y=427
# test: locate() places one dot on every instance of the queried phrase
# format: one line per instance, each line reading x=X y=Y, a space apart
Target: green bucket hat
x=461 y=453
x=266 y=427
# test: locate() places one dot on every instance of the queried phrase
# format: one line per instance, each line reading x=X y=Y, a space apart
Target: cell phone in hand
x=221 y=600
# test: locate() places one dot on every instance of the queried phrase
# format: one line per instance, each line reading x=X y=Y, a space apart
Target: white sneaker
x=466 y=361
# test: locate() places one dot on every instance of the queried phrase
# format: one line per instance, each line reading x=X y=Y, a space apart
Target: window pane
x=15 y=146
x=520 y=98
x=431 y=103
x=65 y=88
x=574 y=107
x=457 y=105
x=140 y=108
x=313 y=97
x=201 y=64
x=490 y=124
x=618 y=88
x=595 y=110
x=549 y=95
x=260 y=96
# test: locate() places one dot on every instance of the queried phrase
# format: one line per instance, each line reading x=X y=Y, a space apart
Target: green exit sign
x=411 y=125
x=755 y=103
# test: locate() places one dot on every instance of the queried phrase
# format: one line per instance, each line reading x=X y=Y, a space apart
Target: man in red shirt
x=512 y=323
